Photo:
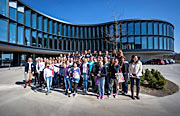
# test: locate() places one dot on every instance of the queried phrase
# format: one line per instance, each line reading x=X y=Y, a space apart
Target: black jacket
x=27 y=67
x=114 y=69
x=125 y=70
x=102 y=71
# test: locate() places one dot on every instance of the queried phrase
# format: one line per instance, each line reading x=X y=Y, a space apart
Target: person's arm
x=26 y=68
x=130 y=72
x=45 y=74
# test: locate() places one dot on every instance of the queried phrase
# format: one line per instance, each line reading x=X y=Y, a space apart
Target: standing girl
x=76 y=77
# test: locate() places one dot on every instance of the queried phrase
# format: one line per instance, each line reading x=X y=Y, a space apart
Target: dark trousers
x=125 y=87
x=107 y=84
x=137 y=82
x=35 y=78
x=40 y=78
x=55 y=79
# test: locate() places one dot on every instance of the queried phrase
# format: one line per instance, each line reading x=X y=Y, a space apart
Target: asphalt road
x=17 y=101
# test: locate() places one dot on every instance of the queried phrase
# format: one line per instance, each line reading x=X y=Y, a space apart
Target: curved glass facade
x=22 y=25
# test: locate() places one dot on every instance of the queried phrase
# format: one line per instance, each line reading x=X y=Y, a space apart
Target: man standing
x=29 y=71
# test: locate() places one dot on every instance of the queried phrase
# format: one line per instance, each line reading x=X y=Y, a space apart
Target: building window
x=21 y=14
x=156 y=43
x=45 y=41
x=55 y=42
x=150 y=28
x=85 y=32
x=124 y=29
x=27 y=37
x=64 y=44
x=64 y=30
x=40 y=23
x=165 y=32
x=20 y=35
x=55 y=28
x=124 y=43
x=12 y=32
x=59 y=33
x=150 y=42
x=4 y=7
x=165 y=43
x=137 y=43
x=143 y=28
x=130 y=42
x=40 y=40
x=34 y=38
x=73 y=31
x=144 y=42
x=45 y=24
x=77 y=32
x=130 y=28
x=156 y=28
x=50 y=26
x=89 y=32
x=3 y=30
x=160 y=43
x=111 y=31
x=69 y=31
x=34 y=20
x=160 y=29
x=50 y=42
x=60 y=43
x=28 y=18
x=137 y=28
x=12 y=10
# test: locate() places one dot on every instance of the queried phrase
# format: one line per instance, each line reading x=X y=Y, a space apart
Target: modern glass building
x=25 y=31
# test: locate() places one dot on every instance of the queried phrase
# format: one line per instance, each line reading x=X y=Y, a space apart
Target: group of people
x=97 y=71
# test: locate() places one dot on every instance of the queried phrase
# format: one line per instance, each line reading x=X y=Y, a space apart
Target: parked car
x=171 y=61
x=156 y=61
x=166 y=61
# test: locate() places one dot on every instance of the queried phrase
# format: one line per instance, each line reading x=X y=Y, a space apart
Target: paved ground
x=17 y=101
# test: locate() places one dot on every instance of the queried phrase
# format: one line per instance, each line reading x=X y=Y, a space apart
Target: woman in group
x=107 y=77
x=56 y=70
x=135 y=71
x=125 y=71
x=115 y=68
x=102 y=72
x=48 y=74
x=76 y=77
x=85 y=75
x=67 y=78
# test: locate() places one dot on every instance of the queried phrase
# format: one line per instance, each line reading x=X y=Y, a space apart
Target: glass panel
x=64 y=44
x=160 y=43
x=171 y=31
x=130 y=39
x=160 y=29
x=137 y=43
x=165 y=32
x=21 y=14
x=73 y=31
x=165 y=43
x=93 y=32
x=28 y=17
x=156 y=43
x=150 y=42
x=34 y=20
x=6 y=59
x=40 y=40
x=130 y=28
x=97 y=32
x=89 y=32
x=55 y=42
x=144 y=42
x=3 y=30
x=12 y=32
x=50 y=42
x=59 y=33
x=77 y=32
x=50 y=26
x=12 y=10
x=20 y=35
x=124 y=29
x=45 y=24
x=64 y=30
x=137 y=28
x=55 y=28
x=155 y=28
x=69 y=44
x=150 y=28
x=111 y=31
x=144 y=28
x=124 y=43
x=40 y=23
x=4 y=7
x=45 y=41
x=34 y=36
x=27 y=37
x=85 y=32
x=60 y=43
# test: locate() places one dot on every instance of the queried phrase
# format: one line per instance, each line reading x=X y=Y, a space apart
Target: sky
x=100 y=11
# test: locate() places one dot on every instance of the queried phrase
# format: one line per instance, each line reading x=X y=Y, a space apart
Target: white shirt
x=41 y=66
x=30 y=65
x=85 y=68
x=56 y=68
x=47 y=72
x=136 y=68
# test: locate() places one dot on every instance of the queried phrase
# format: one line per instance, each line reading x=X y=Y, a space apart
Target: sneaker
x=75 y=94
x=99 y=97
x=47 y=93
x=111 y=95
x=116 y=96
x=102 y=97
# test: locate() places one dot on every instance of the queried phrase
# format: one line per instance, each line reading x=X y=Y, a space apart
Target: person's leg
x=47 y=82
x=108 y=85
x=69 y=82
x=137 y=88
x=84 y=82
x=30 y=78
x=27 y=78
x=39 y=79
x=112 y=84
x=65 y=83
x=117 y=88
x=99 y=87
x=50 y=82
x=103 y=87
x=132 y=88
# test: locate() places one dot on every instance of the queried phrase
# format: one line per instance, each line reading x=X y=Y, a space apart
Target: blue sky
x=99 y=11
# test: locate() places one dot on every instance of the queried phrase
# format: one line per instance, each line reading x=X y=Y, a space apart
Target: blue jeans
x=49 y=82
x=67 y=81
x=101 y=83
x=108 y=84
x=137 y=82
x=125 y=87
x=85 y=80
x=55 y=80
